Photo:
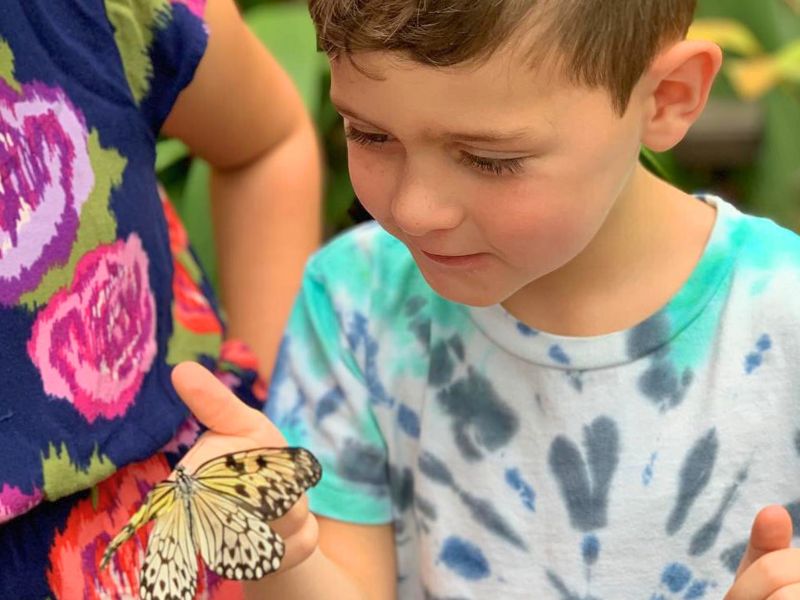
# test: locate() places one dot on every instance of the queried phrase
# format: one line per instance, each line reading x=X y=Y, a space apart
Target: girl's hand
x=235 y=426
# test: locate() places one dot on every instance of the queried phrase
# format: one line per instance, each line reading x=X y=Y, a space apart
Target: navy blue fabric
x=69 y=45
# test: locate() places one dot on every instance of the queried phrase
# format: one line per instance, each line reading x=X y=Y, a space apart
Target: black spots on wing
x=233 y=464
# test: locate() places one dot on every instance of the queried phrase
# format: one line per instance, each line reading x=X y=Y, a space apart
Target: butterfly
x=220 y=511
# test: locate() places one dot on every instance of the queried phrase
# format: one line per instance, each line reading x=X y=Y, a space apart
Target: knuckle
x=290 y=523
x=307 y=539
x=772 y=570
x=786 y=594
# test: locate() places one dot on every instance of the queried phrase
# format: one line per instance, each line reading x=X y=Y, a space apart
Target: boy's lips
x=461 y=260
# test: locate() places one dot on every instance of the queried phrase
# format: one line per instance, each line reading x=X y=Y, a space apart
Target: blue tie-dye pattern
x=764 y=343
x=585 y=478
x=280 y=369
x=292 y=419
x=525 y=330
x=694 y=477
x=329 y=404
x=590 y=549
x=575 y=379
x=585 y=481
x=676 y=577
x=358 y=335
x=697 y=590
x=525 y=491
x=755 y=359
x=752 y=361
x=663 y=383
x=482 y=510
x=647 y=473
x=464 y=558
x=557 y=353
x=408 y=421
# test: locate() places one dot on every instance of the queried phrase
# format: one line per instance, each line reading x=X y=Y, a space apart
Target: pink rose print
x=94 y=342
x=45 y=178
x=236 y=357
x=184 y=438
x=14 y=502
x=76 y=551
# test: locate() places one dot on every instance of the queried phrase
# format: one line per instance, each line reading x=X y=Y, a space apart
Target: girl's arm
x=243 y=115
x=324 y=559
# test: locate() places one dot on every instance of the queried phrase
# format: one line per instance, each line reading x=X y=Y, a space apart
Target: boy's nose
x=418 y=209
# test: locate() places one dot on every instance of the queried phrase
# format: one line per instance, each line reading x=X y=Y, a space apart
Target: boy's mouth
x=463 y=260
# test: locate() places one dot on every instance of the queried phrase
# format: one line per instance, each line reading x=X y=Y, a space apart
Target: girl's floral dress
x=99 y=292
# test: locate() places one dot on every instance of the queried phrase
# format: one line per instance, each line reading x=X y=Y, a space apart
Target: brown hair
x=600 y=43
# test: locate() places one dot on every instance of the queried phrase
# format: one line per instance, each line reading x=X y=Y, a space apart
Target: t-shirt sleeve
x=319 y=398
x=160 y=43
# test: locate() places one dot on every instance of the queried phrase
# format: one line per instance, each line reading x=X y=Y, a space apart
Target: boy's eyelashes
x=364 y=138
x=493 y=166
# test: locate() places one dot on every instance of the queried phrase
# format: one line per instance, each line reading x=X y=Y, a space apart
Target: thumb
x=216 y=407
x=772 y=530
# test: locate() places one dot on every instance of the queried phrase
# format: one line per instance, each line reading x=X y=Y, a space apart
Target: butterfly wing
x=169 y=571
x=160 y=499
x=232 y=536
x=270 y=480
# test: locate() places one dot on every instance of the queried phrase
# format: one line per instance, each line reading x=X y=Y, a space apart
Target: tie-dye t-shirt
x=99 y=291
x=518 y=464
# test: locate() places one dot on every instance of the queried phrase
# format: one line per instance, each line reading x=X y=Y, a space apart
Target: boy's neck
x=646 y=250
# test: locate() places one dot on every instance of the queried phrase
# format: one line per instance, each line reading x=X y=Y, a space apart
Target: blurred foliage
x=761 y=39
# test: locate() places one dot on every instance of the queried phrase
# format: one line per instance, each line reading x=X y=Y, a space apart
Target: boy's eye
x=493 y=166
x=363 y=138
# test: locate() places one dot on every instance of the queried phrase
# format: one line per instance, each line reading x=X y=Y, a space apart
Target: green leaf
x=788 y=60
x=195 y=210
x=288 y=32
x=728 y=33
x=339 y=200
x=169 y=152
x=656 y=165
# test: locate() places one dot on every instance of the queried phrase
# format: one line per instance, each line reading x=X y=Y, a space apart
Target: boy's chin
x=469 y=295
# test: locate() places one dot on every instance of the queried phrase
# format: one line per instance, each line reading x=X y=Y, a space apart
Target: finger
x=767 y=575
x=216 y=407
x=789 y=592
x=291 y=523
x=301 y=543
x=772 y=530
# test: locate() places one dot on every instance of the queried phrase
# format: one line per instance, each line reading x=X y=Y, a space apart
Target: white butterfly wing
x=170 y=564
x=270 y=480
x=232 y=537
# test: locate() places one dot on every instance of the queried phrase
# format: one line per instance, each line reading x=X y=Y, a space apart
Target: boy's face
x=493 y=176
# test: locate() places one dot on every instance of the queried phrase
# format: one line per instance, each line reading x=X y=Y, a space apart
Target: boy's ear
x=677 y=85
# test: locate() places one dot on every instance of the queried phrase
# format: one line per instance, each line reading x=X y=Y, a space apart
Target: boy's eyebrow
x=348 y=112
x=488 y=136
x=466 y=136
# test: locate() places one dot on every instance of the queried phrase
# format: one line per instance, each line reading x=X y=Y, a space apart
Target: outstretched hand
x=235 y=426
x=770 y=567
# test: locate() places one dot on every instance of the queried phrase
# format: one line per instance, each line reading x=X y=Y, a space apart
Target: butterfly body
x=220 y=512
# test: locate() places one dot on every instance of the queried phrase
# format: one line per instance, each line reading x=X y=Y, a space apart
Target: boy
x=544 y=373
